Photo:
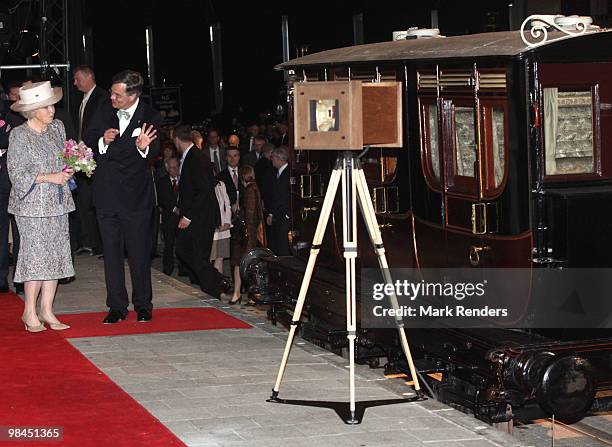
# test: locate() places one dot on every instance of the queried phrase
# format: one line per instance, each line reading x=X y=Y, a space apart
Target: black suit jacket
x=122 y=179
x=11 y=120
x=280 y=202
x=226 y=178
x=166 y=197
x=197 y=200
x=98 y=98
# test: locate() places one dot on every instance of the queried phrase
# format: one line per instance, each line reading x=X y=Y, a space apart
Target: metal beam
x=217 y=61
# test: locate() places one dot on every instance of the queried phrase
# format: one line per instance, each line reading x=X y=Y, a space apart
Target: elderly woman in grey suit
x=40 y=200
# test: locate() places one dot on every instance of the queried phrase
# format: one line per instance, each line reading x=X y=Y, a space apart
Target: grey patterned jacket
x=29 y=154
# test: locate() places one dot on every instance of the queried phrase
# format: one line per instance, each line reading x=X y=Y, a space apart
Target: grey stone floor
x=210 y=387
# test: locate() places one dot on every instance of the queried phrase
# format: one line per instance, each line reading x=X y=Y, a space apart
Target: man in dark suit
x=198 y=210
x=93 y=98
x=246 y=144
x=279 y=209
x=126 y=136
x=229 y=176
x=8 y=121
x=253 y=157
x=167 y=197
x=283 y=134
x=265 y=175
x=214 y=151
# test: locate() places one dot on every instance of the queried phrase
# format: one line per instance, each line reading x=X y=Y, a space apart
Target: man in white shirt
x=230 y=176
x=279 y=209
x=214 y=151
x=93 y=97
x=125 y=132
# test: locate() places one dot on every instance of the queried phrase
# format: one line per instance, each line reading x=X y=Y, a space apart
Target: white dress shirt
x=181 y=171
x=123 y=124
x=237 y=183
x=211 y=152
x=281 y=169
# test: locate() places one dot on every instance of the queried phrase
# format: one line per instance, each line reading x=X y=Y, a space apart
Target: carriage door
x=469 y=167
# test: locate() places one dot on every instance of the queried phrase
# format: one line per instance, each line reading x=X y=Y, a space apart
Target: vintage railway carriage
x=506 y=162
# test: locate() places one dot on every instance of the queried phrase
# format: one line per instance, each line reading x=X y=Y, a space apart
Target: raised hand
x=110 y=135
x=147 y=135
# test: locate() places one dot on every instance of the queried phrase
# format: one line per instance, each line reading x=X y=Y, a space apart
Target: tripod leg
x=369 y=215
x=314 y=252
x=349 y=221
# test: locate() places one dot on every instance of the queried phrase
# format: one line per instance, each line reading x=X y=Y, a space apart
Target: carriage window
x=430 y=144
x=432 y=133
x=498 y=144
x=465 y=145
x=568 y=131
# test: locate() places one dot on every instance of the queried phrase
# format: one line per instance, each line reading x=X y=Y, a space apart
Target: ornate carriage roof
x=500 y=44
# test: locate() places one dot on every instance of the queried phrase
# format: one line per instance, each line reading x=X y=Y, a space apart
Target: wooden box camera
x=347 y=115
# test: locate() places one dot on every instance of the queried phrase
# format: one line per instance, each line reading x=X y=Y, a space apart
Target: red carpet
x=46 y=382
x=164 y=320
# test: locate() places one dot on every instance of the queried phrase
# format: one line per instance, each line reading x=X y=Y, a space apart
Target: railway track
x=586 y=430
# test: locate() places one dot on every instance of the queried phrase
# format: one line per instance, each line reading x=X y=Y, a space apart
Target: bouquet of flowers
x=78 y=157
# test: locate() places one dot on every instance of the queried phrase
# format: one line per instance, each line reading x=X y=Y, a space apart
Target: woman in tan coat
x=248 y=226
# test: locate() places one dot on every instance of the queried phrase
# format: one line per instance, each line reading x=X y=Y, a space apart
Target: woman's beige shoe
x=41 y=327
x=55 y=326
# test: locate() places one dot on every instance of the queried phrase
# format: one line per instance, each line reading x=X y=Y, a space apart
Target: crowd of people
x=209 y=197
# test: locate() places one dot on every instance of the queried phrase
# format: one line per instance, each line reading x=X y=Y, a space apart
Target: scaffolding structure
x=53 y=45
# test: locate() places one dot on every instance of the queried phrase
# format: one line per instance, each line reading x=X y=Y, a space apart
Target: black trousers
x=279 y=242
x=89 y=234
x=127 y=233
x=154 y=230
x=169 y=228
x=193 y=246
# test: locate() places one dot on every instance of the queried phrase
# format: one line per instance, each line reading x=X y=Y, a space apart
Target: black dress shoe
x=195 y=281
x=18 y=287
x=113 y=317
x=225 y=285
x=145 y=315
x=66 y=280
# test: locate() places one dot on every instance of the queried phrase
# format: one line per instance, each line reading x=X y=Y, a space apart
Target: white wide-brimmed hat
x=36 y=95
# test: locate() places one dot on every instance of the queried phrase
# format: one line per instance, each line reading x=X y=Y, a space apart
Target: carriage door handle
x=475 y=253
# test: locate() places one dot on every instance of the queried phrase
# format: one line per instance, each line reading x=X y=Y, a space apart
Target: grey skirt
x=44 y=249
x=220 y=249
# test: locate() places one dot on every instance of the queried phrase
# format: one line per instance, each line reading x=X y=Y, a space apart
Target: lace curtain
x=568 y=132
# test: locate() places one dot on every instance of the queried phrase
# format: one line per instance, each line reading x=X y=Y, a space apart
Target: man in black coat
x=280 y=203
x=230 y=176
x=8 y=121
x=125 y=135
x=167 y=198
x=199 y=212
x=93 y=98
x=265 y=175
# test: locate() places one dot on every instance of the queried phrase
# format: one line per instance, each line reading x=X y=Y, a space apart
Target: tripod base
x=341 y=408
x=352 y=420
x=273 y=397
